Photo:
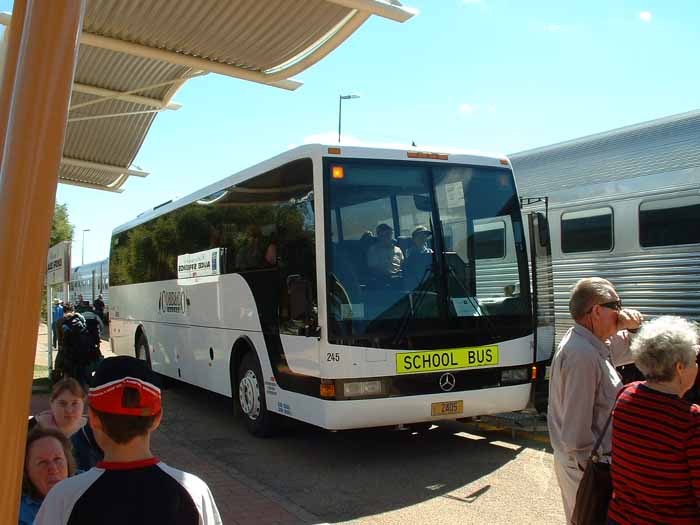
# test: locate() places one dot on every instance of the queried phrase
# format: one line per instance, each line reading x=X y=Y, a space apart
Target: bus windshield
x=416 y=250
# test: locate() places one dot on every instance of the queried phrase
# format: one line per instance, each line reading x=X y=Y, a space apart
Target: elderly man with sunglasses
x=584 y=383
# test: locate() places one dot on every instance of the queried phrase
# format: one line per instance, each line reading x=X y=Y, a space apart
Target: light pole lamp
x=340 y=109
x=82 y=251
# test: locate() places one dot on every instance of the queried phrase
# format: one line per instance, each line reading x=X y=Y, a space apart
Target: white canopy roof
x=135 y=54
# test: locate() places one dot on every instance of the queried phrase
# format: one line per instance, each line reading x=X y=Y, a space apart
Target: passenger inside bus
x=384 y=258
x=419 y=258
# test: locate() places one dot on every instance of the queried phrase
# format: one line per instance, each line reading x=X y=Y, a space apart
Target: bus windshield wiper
x=414 y=305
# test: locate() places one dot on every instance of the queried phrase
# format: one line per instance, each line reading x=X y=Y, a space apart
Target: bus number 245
x=333 y=357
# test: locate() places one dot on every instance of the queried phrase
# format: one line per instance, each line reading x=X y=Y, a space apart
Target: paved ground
x=455 y=473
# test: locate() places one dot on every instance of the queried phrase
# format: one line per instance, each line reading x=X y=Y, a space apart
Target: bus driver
x=384 y=258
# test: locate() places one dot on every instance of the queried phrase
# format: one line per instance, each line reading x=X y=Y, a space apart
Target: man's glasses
x=612 y=305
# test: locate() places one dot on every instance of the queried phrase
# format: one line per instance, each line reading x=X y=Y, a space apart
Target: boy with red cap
x=130 y=486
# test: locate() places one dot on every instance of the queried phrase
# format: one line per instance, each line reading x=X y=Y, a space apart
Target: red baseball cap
x=113 y=377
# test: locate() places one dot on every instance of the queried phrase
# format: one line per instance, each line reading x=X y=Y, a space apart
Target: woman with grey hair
x=656 y=434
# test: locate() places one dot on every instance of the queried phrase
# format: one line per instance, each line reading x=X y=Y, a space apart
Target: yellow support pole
x=8 y=74
x=35 y=112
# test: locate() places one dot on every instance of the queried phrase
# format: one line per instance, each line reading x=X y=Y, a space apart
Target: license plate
x=446 y=359
x=447 y=408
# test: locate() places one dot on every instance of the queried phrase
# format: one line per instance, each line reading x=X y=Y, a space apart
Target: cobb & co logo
x=172 y=302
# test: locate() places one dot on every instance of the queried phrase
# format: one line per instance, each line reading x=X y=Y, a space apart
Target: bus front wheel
x=251 y=397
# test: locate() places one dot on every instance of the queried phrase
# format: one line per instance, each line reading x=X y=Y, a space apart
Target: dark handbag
x=595 y=490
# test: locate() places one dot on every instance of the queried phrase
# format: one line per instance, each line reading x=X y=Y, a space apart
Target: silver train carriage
x=90 y=280
x=623 y=205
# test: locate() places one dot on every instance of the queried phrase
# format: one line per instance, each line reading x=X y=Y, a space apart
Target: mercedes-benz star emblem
x=447 y=382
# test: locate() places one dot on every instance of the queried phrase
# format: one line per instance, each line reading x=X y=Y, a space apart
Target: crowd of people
x=647 y=431
x=77 y=331
x=100 y=468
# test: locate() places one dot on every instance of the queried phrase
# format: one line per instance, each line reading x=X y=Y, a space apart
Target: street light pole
x=340 y=109
x=82 y=253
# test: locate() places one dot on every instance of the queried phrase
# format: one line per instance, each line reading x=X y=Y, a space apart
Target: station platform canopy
x=135 y=54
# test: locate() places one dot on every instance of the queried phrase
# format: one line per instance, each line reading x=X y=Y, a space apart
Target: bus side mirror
x=543 y=229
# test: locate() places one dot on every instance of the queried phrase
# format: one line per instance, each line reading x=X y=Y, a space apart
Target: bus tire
x=251 y=398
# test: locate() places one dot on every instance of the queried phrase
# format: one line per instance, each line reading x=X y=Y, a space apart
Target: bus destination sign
x=200 y=264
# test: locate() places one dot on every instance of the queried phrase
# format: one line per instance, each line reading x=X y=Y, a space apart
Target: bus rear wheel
x=251 y=397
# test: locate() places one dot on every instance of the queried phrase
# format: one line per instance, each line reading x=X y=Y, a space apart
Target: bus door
x=542 y=286
x=297 y=313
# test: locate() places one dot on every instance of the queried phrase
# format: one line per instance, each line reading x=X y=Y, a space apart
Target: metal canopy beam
x=109 y=94
x=203 y=64
x=117 y=170
x=377 y=7
x=114 y=188
x=122 y=94
x=114 y=115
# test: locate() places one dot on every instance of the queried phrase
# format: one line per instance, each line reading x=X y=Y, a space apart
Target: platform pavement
x=241 y=500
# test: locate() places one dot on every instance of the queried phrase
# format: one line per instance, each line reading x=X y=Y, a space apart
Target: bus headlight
x=362 y=388
x=515 y=375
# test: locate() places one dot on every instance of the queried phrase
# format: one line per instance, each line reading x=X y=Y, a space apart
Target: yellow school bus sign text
x=447 y=359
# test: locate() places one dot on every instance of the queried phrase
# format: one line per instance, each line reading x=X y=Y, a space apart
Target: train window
x=587 y=231
x=490 y=240
x=669 y=222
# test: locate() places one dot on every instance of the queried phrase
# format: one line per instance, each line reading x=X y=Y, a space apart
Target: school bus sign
x=447 y=359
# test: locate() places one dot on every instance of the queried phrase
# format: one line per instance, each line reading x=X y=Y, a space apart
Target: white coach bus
x=258 y=287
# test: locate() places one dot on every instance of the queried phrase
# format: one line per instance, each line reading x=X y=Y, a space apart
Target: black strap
x=602 y=435
x=594 y=453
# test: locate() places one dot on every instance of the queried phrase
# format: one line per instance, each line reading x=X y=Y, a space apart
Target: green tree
x=61 y=228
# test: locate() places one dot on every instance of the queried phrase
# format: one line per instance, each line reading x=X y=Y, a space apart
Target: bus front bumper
x=389 y=411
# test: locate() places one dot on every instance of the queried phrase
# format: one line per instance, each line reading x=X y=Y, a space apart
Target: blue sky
x=492 y=75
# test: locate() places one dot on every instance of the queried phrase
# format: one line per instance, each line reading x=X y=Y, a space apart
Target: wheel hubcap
x=249 y=395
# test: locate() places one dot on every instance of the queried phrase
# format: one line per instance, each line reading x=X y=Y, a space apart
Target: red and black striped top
x=655 y=458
